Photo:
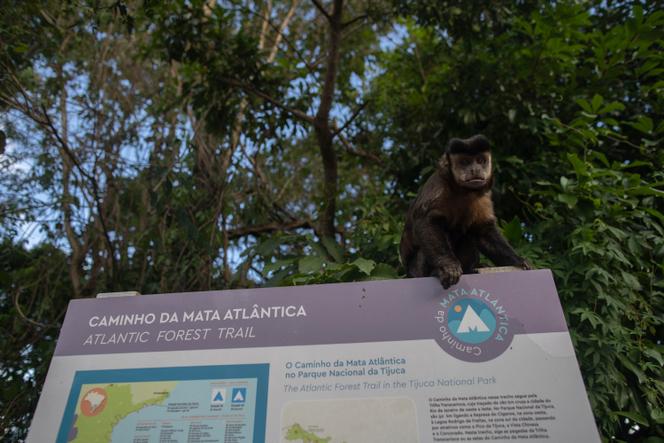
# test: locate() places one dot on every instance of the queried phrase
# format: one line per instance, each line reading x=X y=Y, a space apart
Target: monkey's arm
x=492 y=244
x=432 y=239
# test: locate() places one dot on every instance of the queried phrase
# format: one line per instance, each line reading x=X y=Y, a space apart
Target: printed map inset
x=365 y=420
x=212 y=404
x=101 y=407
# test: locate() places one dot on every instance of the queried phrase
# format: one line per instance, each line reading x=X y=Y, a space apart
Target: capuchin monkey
x=451 y=221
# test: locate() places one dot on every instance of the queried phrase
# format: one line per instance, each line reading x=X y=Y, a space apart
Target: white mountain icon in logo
x=238 y=397
x=471 y=322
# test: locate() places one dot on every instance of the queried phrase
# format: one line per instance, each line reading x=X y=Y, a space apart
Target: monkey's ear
x=471 y=146
x=444 y=162
x=479 y=143
x=456 y=146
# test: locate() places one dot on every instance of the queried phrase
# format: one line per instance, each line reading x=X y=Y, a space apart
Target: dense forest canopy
x=201 y=144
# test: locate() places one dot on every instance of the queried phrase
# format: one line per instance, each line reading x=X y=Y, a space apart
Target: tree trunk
x=324 y=133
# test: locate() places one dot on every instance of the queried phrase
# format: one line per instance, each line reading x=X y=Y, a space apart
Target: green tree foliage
x=572 y=95
x=190 y=145
x=34 y=293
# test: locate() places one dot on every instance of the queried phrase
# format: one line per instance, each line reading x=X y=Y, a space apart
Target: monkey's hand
x=449 y=271
x=525 y=265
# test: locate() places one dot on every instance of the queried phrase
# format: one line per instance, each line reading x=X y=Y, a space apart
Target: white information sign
x=400 y=361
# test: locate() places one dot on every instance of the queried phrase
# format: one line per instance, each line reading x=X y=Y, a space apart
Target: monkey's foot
x=449 y=274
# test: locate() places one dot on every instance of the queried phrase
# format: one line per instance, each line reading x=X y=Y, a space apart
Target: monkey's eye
x=481 y=160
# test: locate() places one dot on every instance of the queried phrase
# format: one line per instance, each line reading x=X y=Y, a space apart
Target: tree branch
x=263 y=33
x=322 y=9
x=359 y=152
x=350 y=120
x=354 y=20
x=324 y=134
x=258 y=93
x=280 y=32
x=95 y=186
x=268 y=227
x=25 y=318
x=284 y=37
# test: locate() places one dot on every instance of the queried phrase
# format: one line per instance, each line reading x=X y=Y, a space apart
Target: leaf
x=318 y=248
x=594 y=319
x=277 y=265
x=278 y=278
x=310 y=264
x=579 y=166
x=365 y=265
x=585 y=105
x=383 y=271
x=597 y=102
x=268 y=247
x=20 y=48
x=643 y=124
x=511 y=114
x=568 y=199
x=333 y=249
x=655 y=213
x=589 y=116
x=300 y=280
x=633 y=164
x=638 y=13
x=633 y=246
x=632 y=367
x=610 y=107
x=564 y=182
x=601 y=157
x=512 y=231
x=645 y=190
x=346 y=273
x=654 y=354
x=513 y=159
x=634 y=416
x=334 y=266
x=631 y=281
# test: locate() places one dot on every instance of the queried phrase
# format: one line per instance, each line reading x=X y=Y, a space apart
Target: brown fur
x=452 y=219
x=465 y=211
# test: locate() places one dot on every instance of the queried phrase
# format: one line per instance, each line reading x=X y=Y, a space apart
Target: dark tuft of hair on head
x=471 y=146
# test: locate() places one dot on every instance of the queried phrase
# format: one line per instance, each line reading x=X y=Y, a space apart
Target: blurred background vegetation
x=181 y=145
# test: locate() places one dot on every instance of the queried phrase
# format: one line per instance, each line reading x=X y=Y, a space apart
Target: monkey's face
x=471 y=171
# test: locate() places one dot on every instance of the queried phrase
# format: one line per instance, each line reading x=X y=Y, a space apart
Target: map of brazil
x=102 y=407
x=213 y=404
